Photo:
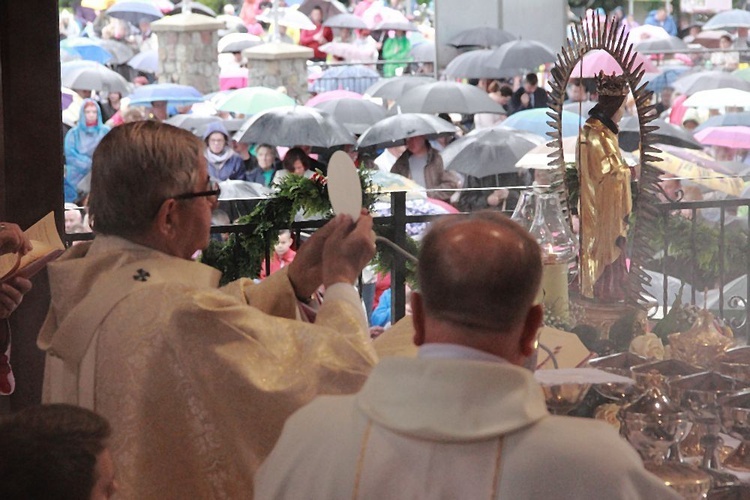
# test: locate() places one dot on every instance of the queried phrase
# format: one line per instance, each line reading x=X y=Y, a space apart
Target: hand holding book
x=25 y=254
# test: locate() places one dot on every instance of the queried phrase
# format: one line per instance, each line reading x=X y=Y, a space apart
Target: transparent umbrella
x=294 y=126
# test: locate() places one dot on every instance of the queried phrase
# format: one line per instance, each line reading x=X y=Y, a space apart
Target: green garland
x=242 y=255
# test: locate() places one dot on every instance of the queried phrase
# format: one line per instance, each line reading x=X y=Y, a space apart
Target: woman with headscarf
x=223 y=162
x=80 y=142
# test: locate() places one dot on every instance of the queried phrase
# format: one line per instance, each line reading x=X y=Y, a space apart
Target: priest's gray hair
x=485 y=277
x=136 y=167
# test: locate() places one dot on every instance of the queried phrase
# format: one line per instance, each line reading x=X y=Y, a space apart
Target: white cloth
x=385 y=161
x=430 y=428
x=195 y=383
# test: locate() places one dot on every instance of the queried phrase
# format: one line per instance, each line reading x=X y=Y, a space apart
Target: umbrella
x=489 y=151
x=394 y=130
x=600 y=60
x=345 y=21
x=423 y=52
x=294 y=126
x=482 y=37
x=475 y=64
x=710 y=39
x=666 y=133
x=133 y=11
x=539 y=158
x=395 y=26
x=660 y=44
x=447 y=97
x=356 y=115
x=71 y=106
x=67 y=55
x=522 y=54
x=191 y=122
x=92 y=76
x=288 y=17
x=646 y=32
x=736 y=137
x=393 y=88
x=88 y=48
x=330 y=8
x=387 y=182
x=332 y=96
x=252 y=100
x=538 y=122
x=719 y=98
x=726 y=120
x=708 y=80
x=376 y=14
x=705 y=177
x=350 y=52
x=237 y=42
x=702 y=159
x=170 y=92
x=121 y=53
x=666 y=78
x=195 y=8
x=147 y=61
x=356 y=78
x=580 y=108
x=735 y=18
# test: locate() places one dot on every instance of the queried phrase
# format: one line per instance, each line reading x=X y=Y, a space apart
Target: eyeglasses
x=213 y=190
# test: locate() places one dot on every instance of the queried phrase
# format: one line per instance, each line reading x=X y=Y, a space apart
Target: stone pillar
x=278 y=64
x=188 y=52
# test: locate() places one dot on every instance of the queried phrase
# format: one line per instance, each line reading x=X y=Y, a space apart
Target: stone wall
x=188 y=51
x=279 y=64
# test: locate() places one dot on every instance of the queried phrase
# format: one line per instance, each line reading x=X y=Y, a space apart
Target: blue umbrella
x=87 y=48
x=535 y=121
x=133 y=11
x=170 y=92
x=666 y=79
x=147 y=61
x=355 y=78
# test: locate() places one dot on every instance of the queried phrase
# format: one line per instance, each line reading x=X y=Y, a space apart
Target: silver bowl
x=735 y=418
x=619 y=364
x=659 y=373
x=735 y=363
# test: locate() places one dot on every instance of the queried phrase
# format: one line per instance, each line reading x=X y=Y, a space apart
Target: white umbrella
x=237 y=42
x=80 y=75
x=294 y=126
x=718 y=98
x=291 y=18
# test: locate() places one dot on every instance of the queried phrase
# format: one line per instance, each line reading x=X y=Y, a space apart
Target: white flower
x=648 y=345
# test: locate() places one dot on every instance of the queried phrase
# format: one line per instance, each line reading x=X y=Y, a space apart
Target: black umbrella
x=521 y=54
x=447 y=97
x=726 y=120
x=394 y=130
x=133 y=11
x=709 y=80
x=482 y=37
x=195 y=8
x=474 y=64
x=661 y=44
x=345 y=21
x=191 y=122
x=294 y=126
x=667 y=133
x=423 y=52
x=356 y=115
x=488 y=151
x=735 y=18
x=393 y=88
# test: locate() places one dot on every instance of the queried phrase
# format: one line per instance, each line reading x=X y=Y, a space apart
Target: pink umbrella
x=677 y=115
x=377 y=14
x=331 y=96
x=729 y=137
x=600 y=60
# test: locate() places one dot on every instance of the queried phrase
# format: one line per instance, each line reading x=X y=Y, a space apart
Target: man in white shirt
x=464 y=419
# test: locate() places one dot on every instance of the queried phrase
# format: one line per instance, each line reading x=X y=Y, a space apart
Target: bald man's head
x=483 y=271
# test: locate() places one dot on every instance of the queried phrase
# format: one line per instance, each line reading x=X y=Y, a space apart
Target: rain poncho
x=395 y=49
x=80 y=143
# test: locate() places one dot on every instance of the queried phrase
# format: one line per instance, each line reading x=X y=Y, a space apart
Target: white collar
x=457 y=351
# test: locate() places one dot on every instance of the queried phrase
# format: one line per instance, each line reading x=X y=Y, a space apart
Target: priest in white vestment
x=196 y=380
x=464 y=419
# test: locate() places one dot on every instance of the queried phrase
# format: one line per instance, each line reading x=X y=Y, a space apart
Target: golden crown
x=612 y=85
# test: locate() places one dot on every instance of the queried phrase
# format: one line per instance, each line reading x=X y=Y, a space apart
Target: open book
x=47 y=246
